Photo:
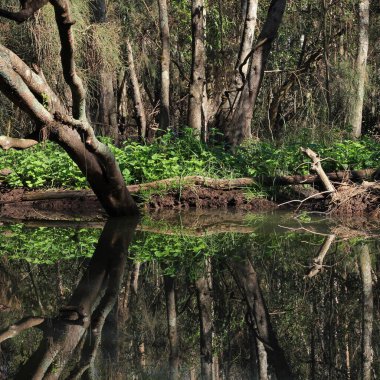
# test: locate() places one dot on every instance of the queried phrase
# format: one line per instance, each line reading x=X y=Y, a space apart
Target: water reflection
x=180 y=306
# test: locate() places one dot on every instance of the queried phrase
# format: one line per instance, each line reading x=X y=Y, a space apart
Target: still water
x=213 y=295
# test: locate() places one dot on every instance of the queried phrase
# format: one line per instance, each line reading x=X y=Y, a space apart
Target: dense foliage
x=46 y=166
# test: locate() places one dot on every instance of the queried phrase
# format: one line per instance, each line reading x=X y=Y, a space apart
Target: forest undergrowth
x=45 y=166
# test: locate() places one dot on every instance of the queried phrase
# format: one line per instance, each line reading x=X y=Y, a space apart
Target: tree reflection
x=199 y=314
x=78 y=327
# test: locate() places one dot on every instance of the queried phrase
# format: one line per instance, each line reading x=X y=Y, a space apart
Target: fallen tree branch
x=318 y=261
x=317 y=167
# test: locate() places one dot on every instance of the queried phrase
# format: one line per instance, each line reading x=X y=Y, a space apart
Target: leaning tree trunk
x=29 y=91
x=165 y=66
x=247 y=280
x=360 y=71
x=136 y=94
x=197 y=118
x=239 y=128
x=231 y=97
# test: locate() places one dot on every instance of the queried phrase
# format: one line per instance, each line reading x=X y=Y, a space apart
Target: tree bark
x=360 y=70
x=240 y=123
x=197 y=114
x=165 y=66
x=136 y=94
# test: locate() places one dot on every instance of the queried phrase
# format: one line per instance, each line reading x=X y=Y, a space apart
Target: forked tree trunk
x=197 y=117
x=136 y=94
x=360 y=70
x=240 y=125
x=165 y=66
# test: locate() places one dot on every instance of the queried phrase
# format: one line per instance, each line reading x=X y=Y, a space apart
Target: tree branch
x=64 y=24
x=35 y=81
x=15 y=88
x=18 y=327
x=27 y=10
x=317 y=167
x=10 y=142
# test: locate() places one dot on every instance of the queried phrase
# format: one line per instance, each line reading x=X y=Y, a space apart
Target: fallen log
x=217 y=184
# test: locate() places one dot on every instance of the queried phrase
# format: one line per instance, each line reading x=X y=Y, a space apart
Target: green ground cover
x=48 y=166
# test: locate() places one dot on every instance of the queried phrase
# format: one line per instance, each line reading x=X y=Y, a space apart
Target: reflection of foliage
x=298 y=307
x=46 y=245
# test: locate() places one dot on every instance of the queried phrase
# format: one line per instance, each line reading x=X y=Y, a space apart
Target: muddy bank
x=66 y=204
x=349 y=200
x=198 y=197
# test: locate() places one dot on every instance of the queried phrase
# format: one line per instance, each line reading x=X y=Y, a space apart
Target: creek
x=192 y=295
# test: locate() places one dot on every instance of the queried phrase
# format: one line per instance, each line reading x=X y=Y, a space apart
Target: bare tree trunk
x=246 y=45
x=367 y=316
x=205 y=307
x=231 y=97
x=240 y=125
x=197 y=117
x=165 y=66
x=360 y=70
x=136 y=94
x=171 y=311
x=106 y=115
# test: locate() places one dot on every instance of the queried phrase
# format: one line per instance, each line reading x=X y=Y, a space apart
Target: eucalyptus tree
x=197 y=113
x=356 y=113
x=66 y=125
x=165 y=65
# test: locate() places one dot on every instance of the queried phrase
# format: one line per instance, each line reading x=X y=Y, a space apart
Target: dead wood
x=356 y=200
x=317 y=167
x=318 y=261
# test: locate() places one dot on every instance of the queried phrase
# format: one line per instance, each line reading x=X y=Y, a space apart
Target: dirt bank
x=41 y=205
